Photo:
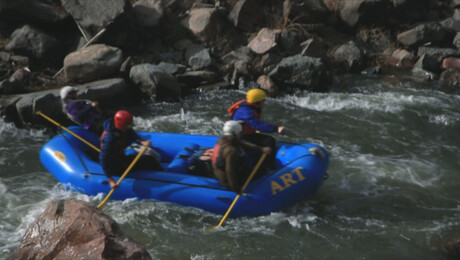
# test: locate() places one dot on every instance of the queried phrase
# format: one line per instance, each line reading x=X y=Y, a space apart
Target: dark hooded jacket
x=113 y=145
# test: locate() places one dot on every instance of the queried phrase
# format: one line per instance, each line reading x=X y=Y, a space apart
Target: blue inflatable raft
x=298 y=175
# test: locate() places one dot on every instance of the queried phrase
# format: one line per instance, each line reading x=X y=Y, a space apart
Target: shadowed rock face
x=77 y=230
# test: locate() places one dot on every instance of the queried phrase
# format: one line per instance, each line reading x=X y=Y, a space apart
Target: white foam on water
x=443 y=119
x=389 y=102
x=196 y=123
x=9 y=132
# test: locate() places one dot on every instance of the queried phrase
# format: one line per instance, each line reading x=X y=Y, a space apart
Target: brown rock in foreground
x=75 y=229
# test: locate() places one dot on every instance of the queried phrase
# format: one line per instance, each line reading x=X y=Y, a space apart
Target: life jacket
x=121 y=142
x=247 y=129
x=217 y=154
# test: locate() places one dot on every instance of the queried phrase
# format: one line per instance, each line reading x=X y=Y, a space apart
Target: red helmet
x=122 y=118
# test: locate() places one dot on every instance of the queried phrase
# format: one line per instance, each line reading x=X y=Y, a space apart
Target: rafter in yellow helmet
x=255 y=95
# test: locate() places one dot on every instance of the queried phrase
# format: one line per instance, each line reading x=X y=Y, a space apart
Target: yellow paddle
x=242 y=190
x=123 y=176
x=70 y=132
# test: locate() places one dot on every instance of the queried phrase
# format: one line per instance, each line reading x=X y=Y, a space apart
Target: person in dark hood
x=83 y=112
x=229 y=160
x=117 y=136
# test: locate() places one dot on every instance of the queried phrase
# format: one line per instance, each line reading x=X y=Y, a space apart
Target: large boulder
x=92 y=16
x=33 y=42
x=302 y=72
x=438 y=53
x=204 y=23
x=197 y=57
x=423 y=33
x=75 y=229
x=21 y=109
x=266 y=40
x=31 y=11
x=148 y=12
x=155 y=81
x=350 y=56
x=94 y=62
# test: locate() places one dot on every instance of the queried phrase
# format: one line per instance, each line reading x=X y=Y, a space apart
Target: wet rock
x=438 y=53
x=197 y=57
x=21 y=109
x=75 y=229
x=302 y=72
x=267 y=62
x=94 y=62
x=152 y=80
x=450 y=78
x=428 y=63
x=456 y=41
x=372 y=71
x=16 y=82
x=194 y=79
x=350 y=56
x=267 y=84
x=421 y=34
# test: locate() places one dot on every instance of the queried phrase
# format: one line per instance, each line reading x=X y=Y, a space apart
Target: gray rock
x=351 y=56
x=426 y=63
x=91 y=63
x=456 y=41
x=204 y=23
x=438 y=53
x=148 y=12
x=421 y=34
x=240 y=54
x=302 y=72
x=450 y=25
x=194 y=79
x=94 y=15
x=197 y=57
x=32 y=42
x=155 y=82
x=32 y=11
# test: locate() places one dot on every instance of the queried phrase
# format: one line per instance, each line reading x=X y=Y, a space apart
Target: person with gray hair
x=229 y=161
x=82 y=112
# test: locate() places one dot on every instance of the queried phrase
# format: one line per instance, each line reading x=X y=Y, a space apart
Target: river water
x=392 y=193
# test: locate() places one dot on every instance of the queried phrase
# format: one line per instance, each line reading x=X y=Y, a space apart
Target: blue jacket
x=249 y=115
x=113 y=145
x=81 y=112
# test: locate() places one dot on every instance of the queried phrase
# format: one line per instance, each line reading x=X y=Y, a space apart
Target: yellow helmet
x=255 y=95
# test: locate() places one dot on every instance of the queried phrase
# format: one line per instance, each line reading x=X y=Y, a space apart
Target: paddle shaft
x=70 y=132
x=123 y=176
x=242 y=189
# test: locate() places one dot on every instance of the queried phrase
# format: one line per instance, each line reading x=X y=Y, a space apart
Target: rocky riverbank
x=125 y=51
